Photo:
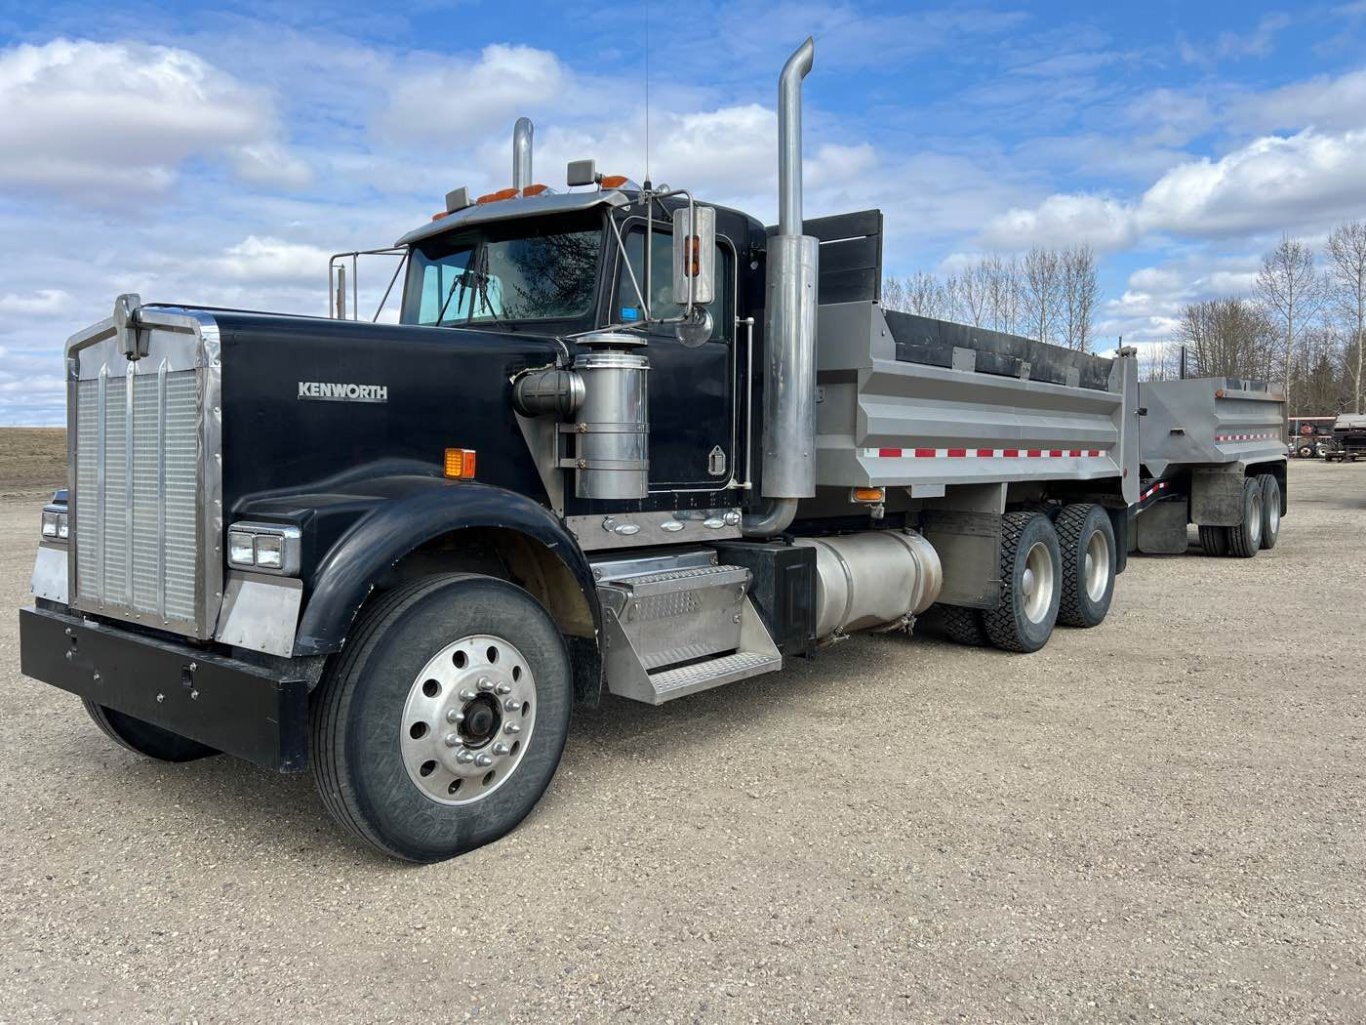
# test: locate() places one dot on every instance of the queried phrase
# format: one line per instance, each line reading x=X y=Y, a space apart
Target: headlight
x=265 y=547
x=56 y=524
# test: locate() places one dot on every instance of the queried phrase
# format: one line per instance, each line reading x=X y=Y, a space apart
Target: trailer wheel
x=1271 y=509
x=1245 y=539
x=1305 y=451
x=440 y=725
x=958 y=623
x=144 y=738
x=1031 y=584
x=1214 y=541
x=1086 y=539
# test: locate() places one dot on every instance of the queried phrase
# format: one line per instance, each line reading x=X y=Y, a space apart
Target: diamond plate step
x=675 y=683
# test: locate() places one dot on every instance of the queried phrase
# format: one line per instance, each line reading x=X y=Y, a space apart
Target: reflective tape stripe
x=981 y=453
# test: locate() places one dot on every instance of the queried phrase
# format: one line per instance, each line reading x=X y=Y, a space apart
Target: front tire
x=143 y=738
x=441 y=724
x=1086 y=539
x=1031 y=584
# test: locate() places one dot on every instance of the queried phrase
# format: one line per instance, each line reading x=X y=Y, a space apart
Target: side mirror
x=694 y=255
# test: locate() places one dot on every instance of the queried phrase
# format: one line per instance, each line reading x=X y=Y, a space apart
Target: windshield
x=517 y=271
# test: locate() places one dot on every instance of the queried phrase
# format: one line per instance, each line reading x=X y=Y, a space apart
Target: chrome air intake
x=612 y=428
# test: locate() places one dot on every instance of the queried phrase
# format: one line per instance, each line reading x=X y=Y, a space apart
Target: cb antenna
x=646 y=5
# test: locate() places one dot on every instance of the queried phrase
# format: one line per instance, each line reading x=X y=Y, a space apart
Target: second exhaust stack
x=789 y=434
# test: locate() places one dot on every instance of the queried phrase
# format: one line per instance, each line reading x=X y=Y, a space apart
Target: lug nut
x=464 y=757
x=512 y=706
x=467 y=695
x=484 y=761
x=500 y=748
x=485 y=683
x=512 y=727
x=454 y=715
x=452 y=740
x=504 y=688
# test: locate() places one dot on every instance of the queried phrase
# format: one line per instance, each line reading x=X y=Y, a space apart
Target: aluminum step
x=689 y=679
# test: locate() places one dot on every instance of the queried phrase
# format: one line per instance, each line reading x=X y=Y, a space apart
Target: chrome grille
x=138 y=490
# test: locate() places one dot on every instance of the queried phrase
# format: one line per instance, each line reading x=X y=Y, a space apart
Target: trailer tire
x=1031 y=584
x=1086 y=539
x=1245 y=539
x=144 y=738
x=1305 y=451
x=425 y=664
x=959 y=624
x=1271 y=509
x=1214 y=541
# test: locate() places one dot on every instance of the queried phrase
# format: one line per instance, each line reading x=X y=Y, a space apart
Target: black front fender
x=374 y=544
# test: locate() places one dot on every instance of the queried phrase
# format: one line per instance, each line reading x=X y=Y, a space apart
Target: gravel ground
x=1159 y=820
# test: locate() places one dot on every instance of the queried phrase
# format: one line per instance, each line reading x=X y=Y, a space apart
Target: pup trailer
x=619 y=440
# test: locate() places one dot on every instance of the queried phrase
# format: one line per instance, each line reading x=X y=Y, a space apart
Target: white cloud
x=1149 y=309
x=89 y=119
x=1274 y=183
x=444 y=102
x=1326 y=102
x=45 y=302
x=266 y=260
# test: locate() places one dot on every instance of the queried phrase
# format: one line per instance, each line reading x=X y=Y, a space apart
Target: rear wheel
x=1031 y=584
x=1245 y=539
x=1271 y=509
x=1306 y=451
x=143 y=738
x=959 y=624
x=1214 y=541
x=442 y=723
x=1086 y=539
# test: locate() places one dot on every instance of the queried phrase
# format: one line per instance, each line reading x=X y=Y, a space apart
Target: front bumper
x=230 y=705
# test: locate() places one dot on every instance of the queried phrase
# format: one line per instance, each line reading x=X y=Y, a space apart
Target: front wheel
x=441 y=724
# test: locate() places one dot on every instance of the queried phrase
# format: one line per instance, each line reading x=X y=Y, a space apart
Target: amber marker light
x=459 y=463
x=869 y=494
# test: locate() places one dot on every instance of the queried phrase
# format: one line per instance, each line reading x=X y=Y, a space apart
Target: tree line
x=1048 y=294
x=1303 y=326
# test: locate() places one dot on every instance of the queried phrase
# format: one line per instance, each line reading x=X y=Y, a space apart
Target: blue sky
x=195 y=154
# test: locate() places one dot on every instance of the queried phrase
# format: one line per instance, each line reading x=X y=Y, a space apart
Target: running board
x=628 y=677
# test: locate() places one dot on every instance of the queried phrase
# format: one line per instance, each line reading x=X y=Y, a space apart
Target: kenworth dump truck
x=618 y=441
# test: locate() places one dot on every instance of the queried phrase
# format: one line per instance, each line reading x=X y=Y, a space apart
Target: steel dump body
x=897 y=411
x=1209 y=421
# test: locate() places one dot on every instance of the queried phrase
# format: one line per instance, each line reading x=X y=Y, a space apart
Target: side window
x=661 y=300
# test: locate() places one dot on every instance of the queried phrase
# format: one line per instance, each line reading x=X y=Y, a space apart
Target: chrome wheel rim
x=468 y=719
x=1036 y=582
x=1097 y=566
x=1254 y=527
x=1273 y=516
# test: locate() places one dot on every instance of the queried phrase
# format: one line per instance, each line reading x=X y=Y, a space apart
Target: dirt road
x=1160 y=820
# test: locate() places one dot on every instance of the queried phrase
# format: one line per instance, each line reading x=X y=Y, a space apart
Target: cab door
x=692 y=395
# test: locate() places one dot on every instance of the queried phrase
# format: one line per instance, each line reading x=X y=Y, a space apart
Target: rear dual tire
x=1031 y=584
x=1086 y=539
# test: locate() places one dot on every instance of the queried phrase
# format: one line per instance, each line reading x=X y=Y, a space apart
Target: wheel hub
x=1036 y=582
x=468 y=719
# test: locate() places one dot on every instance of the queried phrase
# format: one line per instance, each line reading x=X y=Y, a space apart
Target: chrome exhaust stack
x=789 y=429
x=521 y=153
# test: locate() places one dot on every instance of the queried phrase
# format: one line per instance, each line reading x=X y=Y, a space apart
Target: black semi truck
x=619 y=441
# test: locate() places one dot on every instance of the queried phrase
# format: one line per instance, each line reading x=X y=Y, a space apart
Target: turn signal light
x=459 y=463
x=869 y=494
x=533 y=190
x=613 y=181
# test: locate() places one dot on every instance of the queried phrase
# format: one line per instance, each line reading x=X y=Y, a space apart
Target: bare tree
x=1227 y=338
x=925 y=295
x=1080 y=295
x=1292 y=293
x=1042 y=292
x=1159 y=361
x=970 y=290
x=893 y=294
x=1003 y=292
x=1347 y=250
